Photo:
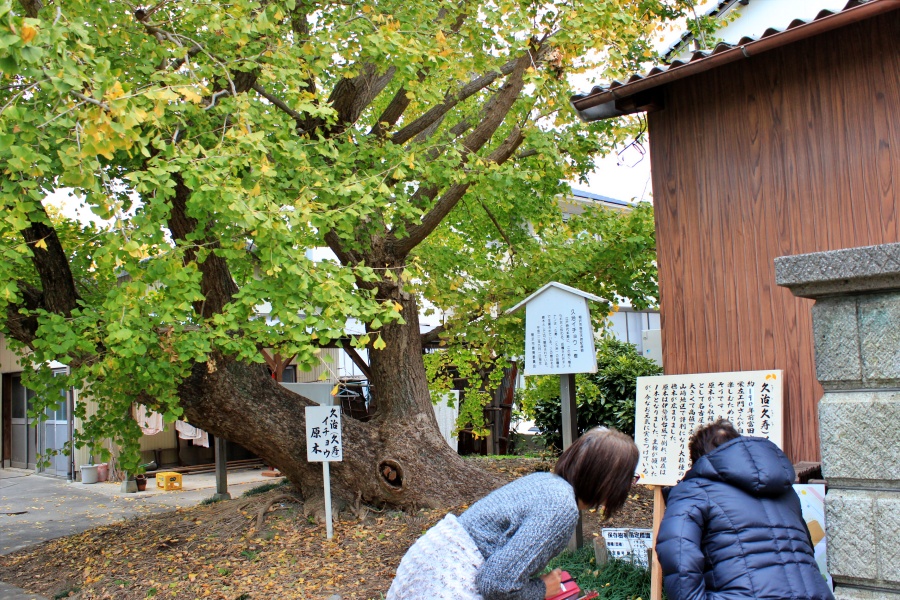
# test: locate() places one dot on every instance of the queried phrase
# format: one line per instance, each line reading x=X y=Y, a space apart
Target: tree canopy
x=424 y=142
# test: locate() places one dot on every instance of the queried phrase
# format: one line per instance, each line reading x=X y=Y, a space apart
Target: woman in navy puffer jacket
x=733 y=526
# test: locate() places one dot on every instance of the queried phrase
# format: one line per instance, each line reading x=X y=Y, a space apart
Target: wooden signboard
x=670 y=407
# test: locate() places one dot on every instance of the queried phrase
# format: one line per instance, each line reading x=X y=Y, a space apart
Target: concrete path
x=34 y=508
x=11 y=592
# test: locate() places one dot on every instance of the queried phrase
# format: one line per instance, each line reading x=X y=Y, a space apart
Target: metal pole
x=326 y=475
x=221 y=470
x=570 y=433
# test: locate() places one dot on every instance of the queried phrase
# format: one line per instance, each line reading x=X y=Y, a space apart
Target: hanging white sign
x=559 y=338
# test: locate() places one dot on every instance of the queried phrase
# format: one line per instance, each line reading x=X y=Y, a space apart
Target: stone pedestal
x=856 y=329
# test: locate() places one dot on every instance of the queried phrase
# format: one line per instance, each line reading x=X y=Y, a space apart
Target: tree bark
x=397 y=458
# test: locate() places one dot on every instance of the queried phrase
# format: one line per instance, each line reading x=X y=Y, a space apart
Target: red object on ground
x=570 y=589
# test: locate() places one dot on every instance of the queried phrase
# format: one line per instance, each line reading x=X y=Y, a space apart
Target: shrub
x=603 y=398
x=616 y=580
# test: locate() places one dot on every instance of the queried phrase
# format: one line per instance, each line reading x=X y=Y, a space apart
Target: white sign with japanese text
x=323 y=434
x=558 y=335
x=669 y=408
x=628 y=544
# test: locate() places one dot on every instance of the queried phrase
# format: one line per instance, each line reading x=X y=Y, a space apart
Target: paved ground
x=34 y=508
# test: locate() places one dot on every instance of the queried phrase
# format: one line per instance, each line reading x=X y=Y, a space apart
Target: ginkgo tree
x=423 y=142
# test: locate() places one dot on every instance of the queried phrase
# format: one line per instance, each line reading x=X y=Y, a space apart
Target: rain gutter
x=603 y=104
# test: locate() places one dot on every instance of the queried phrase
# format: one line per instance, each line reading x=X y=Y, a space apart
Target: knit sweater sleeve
x=542 y=534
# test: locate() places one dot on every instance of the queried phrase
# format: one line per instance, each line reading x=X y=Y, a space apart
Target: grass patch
x=266 y=487
x=210 y=500
x=616 y=580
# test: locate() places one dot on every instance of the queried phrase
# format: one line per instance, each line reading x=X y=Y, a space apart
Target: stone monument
x=856 y=330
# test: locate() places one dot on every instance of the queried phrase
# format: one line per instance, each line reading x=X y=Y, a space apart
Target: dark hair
x=600 y=467
x=709 y=437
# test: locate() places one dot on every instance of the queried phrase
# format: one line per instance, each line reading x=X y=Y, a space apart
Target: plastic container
x=89 y=473
x=103 y=472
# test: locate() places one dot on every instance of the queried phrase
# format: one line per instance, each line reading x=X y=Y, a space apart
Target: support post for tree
x=569 y=434
x=656 y=575
x=221 y=470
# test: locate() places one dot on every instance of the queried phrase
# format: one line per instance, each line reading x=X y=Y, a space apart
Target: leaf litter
x=216 y=551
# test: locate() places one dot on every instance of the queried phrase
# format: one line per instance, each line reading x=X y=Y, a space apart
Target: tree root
x=261 y=515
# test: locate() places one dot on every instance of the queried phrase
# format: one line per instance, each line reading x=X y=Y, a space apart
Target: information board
x=669 y=408
x=323 y=434
x=558 y=335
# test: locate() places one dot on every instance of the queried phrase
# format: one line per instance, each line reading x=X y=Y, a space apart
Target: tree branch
x=400 y=102
x=31 y=7
x=451 y=100
x=58 y=293
x=21 y=327
x=451 y=197
x=351 y=97
x=216 y=284
x=493 y=219
x=432 y=336
x=356 y=358
x=278 y=102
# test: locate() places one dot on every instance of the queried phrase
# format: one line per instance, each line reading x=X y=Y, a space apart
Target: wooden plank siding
x=796 y=150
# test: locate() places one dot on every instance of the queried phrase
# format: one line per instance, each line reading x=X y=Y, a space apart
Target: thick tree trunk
x=397 y=458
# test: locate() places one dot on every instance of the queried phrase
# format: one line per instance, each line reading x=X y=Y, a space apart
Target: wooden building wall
x=796 y=150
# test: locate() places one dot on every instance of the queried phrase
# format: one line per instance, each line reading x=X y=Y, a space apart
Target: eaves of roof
x=622 y=98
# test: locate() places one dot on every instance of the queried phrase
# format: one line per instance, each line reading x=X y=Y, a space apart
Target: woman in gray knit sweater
x=496 y=548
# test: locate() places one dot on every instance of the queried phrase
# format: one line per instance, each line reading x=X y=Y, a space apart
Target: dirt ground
x=216 y=551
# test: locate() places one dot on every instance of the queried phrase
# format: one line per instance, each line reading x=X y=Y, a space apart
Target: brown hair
x=600 y=467
x=709 y=437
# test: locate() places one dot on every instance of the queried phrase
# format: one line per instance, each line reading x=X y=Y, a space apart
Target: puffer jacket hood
x=734 y=528
x=754 y=465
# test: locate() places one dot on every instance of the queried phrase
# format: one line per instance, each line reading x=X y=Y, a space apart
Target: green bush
x=603 y=398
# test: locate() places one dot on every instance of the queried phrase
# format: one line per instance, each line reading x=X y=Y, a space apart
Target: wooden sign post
x=669 y=408
x=559 y=340
x=324 y=444
x=656 y=574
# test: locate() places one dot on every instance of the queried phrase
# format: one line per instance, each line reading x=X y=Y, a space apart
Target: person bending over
x=733 y=527
x=495 y=549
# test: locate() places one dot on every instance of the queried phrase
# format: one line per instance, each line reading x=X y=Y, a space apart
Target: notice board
x=670 y=407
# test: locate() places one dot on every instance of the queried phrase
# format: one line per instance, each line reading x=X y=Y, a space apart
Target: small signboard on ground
x=670 y=407
x=628 y=544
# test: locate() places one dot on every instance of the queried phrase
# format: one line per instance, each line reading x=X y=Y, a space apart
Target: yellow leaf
x=334 y=390
x=41 y=243
x=410 y=96
x=379 y=344
x=190 y=95
x=441 y=37
x=115 y=91
x=398 y=307
x=28 y=33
